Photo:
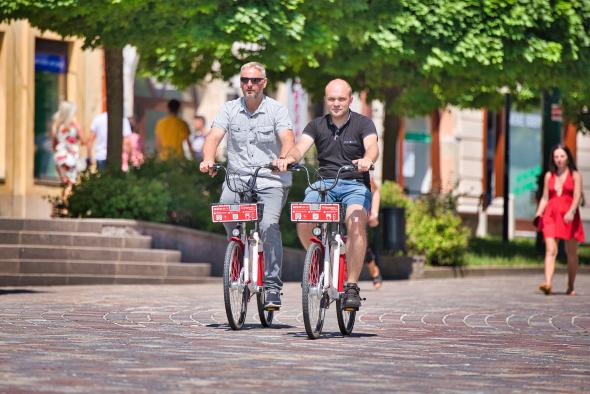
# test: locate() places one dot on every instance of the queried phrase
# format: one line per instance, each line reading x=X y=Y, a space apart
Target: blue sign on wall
x=50 y=62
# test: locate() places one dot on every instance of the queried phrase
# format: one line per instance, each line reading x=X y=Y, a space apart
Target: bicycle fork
x=337 y=280
x=253 y=264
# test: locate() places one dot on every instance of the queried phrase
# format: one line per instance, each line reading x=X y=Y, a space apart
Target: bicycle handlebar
x=250 y=185
x=348 y=167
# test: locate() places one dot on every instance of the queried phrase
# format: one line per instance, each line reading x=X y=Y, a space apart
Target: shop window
x=416 y=168
x=51 y=64
x=525 y=161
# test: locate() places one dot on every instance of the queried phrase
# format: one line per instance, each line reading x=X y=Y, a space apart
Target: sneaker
x=351 y=299
x=272 y=300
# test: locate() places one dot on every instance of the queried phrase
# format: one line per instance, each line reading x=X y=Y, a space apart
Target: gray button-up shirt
x=252 y=138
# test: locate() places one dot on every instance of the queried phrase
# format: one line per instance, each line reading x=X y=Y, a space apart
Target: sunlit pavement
x=483 y=334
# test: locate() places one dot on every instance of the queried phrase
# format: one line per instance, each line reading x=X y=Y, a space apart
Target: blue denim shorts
x=347 y=191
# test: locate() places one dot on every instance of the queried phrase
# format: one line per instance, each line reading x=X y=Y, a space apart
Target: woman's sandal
x=377 y=281
x=545 y=288
x=570 y=292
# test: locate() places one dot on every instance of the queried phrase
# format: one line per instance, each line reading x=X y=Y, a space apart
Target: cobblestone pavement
x=495 y=334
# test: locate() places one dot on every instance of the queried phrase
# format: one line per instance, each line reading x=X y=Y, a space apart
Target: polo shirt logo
x=349 y=142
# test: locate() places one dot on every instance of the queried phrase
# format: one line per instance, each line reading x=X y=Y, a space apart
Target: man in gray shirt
x=259 y=131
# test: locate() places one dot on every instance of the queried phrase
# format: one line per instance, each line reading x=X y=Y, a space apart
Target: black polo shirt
x=337 y=147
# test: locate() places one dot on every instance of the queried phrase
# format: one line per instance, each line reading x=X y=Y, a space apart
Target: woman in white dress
x=65 y=134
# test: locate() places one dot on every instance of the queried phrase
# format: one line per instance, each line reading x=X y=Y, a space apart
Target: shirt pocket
x=353 y=149
x=266 y=134
x=238 y=134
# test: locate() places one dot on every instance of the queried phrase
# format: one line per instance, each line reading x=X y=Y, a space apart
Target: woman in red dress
x=558 y=215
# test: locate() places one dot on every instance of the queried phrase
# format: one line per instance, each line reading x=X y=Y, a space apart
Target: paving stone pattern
x=493 y=334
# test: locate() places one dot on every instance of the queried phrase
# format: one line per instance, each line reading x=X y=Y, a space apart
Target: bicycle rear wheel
x=345 y=318
x=314 y=310
x=264 y=315
x=235 y=292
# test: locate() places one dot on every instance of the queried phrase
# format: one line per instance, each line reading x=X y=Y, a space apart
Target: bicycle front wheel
x=345 y=318
x=314 y=310
x=264 y=315
x=235 y=291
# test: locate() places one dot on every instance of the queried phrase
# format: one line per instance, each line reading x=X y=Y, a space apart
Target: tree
x=420 y=55
x=112 y=24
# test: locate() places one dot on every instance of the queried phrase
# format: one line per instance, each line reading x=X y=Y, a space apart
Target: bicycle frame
x=332 y=243
x=253 y=260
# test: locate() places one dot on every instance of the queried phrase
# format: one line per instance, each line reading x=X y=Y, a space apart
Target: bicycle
x=324 y=269
x=243 y=267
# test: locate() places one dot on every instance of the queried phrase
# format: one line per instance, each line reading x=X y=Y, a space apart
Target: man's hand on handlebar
x=281 y=164
x=207 y=166
x=363 y=165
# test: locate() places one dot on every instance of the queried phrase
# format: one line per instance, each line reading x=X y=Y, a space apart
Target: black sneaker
x=351 y=299
x=272 y=300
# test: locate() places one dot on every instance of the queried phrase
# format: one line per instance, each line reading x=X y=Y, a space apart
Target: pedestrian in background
x=66 y=138
x=133 y=152
x=193 y=148
x=98 y=139
x=558 y=216
x=171 y=132
x=371 y=257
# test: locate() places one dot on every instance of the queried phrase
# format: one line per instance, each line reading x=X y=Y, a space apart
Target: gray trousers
x=274 y=199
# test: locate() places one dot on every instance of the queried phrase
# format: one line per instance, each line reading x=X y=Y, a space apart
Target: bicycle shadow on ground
x=248 y=326
x=20 y=291
x=331 y=335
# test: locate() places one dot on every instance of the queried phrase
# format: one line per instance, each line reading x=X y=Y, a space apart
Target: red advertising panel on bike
x=316 y=212
x=221 y=213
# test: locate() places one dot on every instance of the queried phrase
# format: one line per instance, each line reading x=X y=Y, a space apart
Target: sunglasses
x=255 y=81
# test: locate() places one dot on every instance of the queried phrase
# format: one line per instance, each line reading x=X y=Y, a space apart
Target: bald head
x=338 y=87
x=338 y=98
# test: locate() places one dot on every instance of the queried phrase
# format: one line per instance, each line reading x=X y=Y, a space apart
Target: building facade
x=38 y=70
x=462 y=151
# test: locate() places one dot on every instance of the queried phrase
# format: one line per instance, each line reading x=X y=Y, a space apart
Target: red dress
x=552 y=223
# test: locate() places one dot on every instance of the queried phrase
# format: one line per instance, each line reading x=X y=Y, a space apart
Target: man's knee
x=268 y=228
x=356 y=223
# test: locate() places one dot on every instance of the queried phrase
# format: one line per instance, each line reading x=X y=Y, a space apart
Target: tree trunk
x=391 y=126
x=114 y=78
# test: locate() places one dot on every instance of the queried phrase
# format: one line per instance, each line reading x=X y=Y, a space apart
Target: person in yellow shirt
x=171 y=131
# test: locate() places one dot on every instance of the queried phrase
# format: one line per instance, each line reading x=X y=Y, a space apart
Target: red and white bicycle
x=324 y=270
x=243 y=268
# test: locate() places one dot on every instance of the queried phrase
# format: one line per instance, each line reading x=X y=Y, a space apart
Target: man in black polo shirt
x=341 y=137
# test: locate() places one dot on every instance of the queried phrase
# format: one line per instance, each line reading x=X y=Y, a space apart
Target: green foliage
x=434 y=230
x=124 y=196
x=392 y=195
x=172 y=191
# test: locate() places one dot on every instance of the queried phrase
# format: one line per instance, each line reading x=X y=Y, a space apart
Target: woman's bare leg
x=571 y=248
x=550 y=255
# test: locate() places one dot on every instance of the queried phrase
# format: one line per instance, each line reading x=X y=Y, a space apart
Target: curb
x=463 y=272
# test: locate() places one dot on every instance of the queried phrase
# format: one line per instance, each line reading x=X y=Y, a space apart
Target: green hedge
x=433 y=228
x=172 y=191
x=176 y=192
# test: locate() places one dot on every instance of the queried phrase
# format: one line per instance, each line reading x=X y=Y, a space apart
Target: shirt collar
x=261 y=108
x=335 y=128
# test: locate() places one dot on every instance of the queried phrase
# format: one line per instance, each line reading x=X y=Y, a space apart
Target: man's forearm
x=294 y=154
x=372 y=153
x=209 y=150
